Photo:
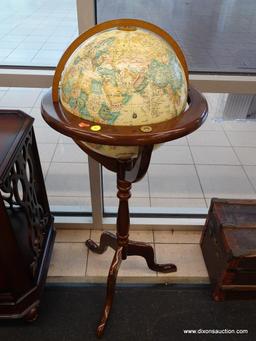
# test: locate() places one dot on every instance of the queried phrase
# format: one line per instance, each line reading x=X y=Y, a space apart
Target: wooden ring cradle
x=128 y=171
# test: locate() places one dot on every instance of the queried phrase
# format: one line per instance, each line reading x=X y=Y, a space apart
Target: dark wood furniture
x=229 y=248
x=128 y=171
x=26 y=224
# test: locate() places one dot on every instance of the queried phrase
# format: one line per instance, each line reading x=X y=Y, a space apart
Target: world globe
x=126 y=76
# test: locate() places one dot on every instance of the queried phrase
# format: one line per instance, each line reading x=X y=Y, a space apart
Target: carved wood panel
x=21 y=193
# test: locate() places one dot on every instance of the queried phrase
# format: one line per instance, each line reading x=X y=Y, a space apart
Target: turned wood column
x=123 y=216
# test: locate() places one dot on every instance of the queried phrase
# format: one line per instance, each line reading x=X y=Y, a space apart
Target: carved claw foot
x=147 y=251
x=112 y=275
x=107 y=239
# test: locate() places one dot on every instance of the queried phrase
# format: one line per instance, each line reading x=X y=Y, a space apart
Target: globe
x=124 y=76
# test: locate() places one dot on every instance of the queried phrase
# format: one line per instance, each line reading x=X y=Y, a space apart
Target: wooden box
x=26 y=224
x=229 y=248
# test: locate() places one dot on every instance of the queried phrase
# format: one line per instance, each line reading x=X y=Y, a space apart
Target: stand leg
x=147 y=251
x=107 y=239
x=112 y=275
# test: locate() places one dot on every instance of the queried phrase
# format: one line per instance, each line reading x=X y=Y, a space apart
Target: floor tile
x=208 y=201
x=239 y=125
x=39 y=98
x=139 y=189
x=46 y=135
x=45 y=166
x=242 y=138
x=143 y=236
x=34 y=38
x=65 y=139
x=36 y=45
x=68 y=259
x=13 y=37
x=46 y=151
x=178 y=142
x=133 y=201
x=49 y=45
x=225 y=181
x=47 y=57
x=68 y=179
x=20 y=97
x=4 y=52
x=21 y=56
x=208 y=138
x=171 y=155
x=247 y=155
x=72 y=236
x=39 y=121
x=187 y=257
x=251 y=172
x=81 y=203
x=177 y=237
x=211 y=124
x=98 y=265
x=214 y=155
x=177 y=202
x=95 y=234
x=174 y=181
x=2 y=93
x=69 y=153
x=8 y=45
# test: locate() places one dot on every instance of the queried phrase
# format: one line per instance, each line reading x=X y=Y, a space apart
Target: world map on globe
x=128 y=76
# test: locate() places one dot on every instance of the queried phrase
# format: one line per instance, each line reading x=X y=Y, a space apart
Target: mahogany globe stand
x=128 y=172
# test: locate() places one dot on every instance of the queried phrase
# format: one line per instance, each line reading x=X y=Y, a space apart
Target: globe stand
x=128 y=172
x=144 y=137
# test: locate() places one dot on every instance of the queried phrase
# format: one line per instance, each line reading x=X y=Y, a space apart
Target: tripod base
x=130 y=248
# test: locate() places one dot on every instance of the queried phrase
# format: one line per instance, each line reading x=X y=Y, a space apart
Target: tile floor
x=36 y=33
x=73 y=262
x=219 y=160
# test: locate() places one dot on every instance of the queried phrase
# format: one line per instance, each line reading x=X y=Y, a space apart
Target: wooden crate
x=228 y=245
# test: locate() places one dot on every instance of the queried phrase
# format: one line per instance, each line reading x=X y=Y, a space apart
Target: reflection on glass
x=36 y=33
x=217 y=37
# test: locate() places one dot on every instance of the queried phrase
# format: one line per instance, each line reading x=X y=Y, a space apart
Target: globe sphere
x=126 y=77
